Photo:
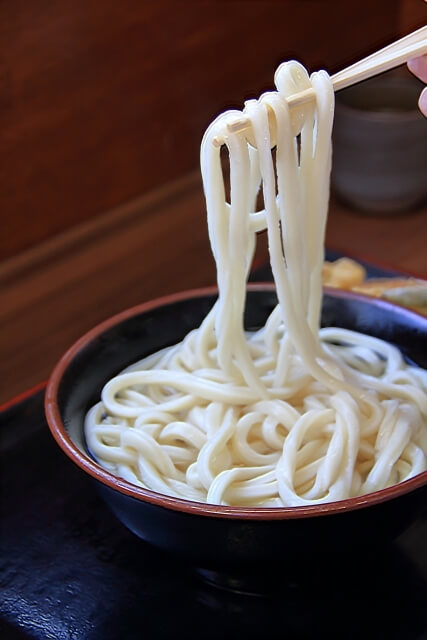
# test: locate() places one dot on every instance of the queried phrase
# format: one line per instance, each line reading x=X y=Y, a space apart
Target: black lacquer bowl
x=225 y=542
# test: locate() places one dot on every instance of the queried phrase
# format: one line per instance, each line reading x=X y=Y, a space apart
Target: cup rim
x=379 y=117
x=408 y=115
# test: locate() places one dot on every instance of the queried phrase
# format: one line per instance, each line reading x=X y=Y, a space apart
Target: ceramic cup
x=380 y=145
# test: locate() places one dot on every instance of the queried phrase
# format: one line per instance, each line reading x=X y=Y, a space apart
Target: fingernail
x=422 y=102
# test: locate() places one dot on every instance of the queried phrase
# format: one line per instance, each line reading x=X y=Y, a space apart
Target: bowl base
x=248 y=584
x=318 y=571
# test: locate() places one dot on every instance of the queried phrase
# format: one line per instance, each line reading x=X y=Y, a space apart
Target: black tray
x=70 y=571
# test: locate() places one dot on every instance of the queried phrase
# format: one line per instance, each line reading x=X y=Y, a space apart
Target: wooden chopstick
x=410 y=46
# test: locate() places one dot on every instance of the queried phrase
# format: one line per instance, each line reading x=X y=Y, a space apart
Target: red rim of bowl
x=62 y=438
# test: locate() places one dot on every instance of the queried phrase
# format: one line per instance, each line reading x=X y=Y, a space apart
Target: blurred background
x=103 y=105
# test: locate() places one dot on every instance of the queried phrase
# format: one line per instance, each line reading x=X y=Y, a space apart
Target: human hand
x=418 y=66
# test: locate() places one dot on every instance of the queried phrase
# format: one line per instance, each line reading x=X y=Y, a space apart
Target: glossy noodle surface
x=291 y=414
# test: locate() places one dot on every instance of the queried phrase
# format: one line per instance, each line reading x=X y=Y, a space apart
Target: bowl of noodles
x=259 y=533
x=253 y=426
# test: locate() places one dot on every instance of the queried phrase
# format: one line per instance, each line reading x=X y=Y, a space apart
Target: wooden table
x=156 y=245
x=399 y=241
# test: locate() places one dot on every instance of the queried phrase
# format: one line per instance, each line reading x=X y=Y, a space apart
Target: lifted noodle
x=291 y=414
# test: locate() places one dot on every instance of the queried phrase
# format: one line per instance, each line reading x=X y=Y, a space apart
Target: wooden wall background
x=102 y=100
x=103 y=104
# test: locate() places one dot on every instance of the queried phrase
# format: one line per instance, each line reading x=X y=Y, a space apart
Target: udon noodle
x=291 y=414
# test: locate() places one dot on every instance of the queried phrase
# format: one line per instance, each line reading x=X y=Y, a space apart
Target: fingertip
x=418 y=66
x=422 y=102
